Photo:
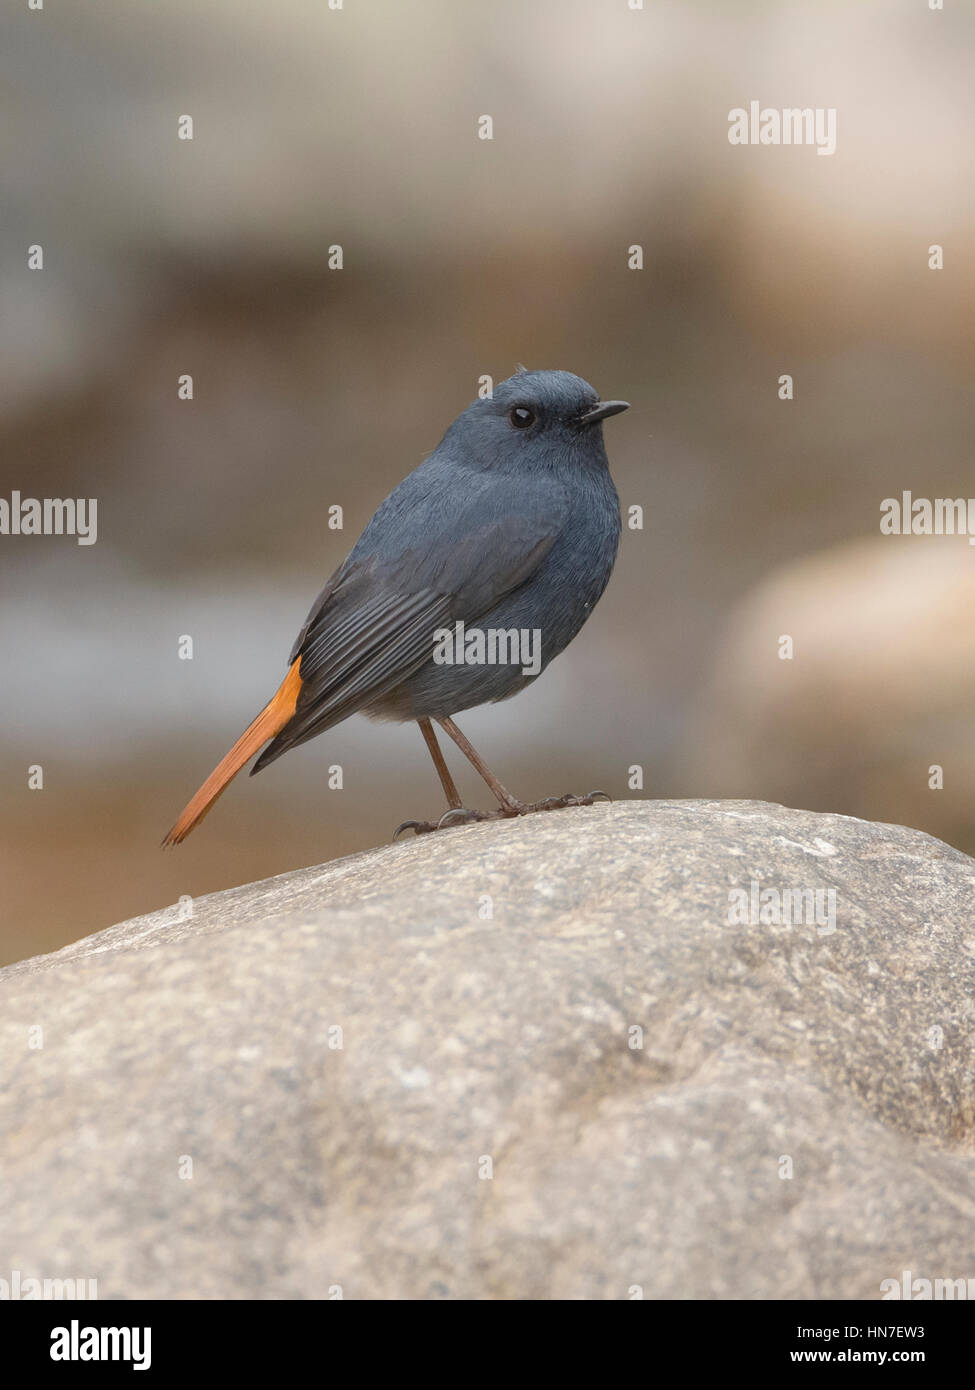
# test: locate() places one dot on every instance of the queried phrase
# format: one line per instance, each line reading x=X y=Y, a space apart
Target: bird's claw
x=461 y=816
x=419 y=827
x=458 y=815
x=556 y=803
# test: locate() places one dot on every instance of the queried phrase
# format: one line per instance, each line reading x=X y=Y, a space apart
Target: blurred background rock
x=315 y=387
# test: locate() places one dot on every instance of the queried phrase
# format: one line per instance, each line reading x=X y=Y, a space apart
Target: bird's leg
x=510 y=805
x=457 y=814
x=440 y=763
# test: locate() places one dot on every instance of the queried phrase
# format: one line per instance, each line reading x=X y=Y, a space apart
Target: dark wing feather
x=370 y=649
x=315 y=612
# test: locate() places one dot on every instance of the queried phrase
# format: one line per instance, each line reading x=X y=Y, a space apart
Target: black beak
x=603 y=411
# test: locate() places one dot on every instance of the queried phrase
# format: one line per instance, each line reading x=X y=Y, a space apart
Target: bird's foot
x=556 y=803
x=460 y=815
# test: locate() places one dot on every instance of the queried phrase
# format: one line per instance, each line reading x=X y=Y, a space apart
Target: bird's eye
x=521 y=417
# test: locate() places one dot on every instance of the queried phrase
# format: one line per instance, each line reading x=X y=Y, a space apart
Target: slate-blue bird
x=512 y=524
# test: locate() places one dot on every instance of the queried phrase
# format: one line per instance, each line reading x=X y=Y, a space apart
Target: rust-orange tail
x=269 y=722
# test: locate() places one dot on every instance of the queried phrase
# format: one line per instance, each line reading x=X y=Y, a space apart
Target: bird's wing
x=374 y=623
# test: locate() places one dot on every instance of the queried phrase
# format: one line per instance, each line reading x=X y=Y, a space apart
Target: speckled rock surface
x=541 y=1058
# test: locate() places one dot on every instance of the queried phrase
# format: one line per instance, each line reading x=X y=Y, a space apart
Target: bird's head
x=536 y=418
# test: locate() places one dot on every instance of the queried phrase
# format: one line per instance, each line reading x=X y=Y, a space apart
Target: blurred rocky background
x=314 y=387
